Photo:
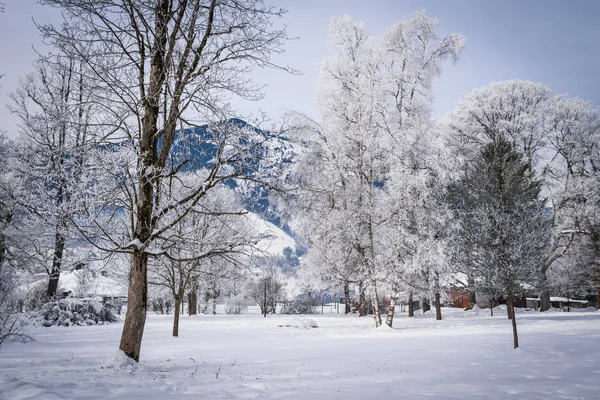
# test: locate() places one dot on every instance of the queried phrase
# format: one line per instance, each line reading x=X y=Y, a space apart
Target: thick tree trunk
x=509 y=308
x=193 y=299
x=514 y=320
x=472 y=294
x=375 y=303
x=438 y=307
x=6 y=218
x=411 y=309
x=596 y=262
x=137 y=302
x=135 y=319
x=426 y=306
x=347 y=302
x=59 y=247
x=389 y=320
x=545 y=300
x=176 y=316
x=362 y=300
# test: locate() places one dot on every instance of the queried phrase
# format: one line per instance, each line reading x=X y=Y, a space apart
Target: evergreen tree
x=503 y=232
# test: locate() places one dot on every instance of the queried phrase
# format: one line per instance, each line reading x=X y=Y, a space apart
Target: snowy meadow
x=132 y=186
x=467 y=355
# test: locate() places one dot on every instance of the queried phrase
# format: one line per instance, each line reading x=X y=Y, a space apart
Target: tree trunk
x=389 y=320
x=135 y=319
x=596 y=261
x=6 y=218
x=214 y=305
x=375 y=303
x=193 y=300
x=426 y=306
x=492 y=307
x=411 y=309
x=176 y=316
x=509 y=308
x=438 y=307
x=59 y=247
x=347 y=303
x=545 y=300
x=472 y=294
x=264 y=302
x=362 y=300
x=137 y=303
x=514 y=320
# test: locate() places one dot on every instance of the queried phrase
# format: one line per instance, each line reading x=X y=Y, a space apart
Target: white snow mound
x=120 y=361
x=304 y=323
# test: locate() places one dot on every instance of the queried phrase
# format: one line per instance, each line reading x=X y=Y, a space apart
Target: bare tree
x=159 y=61
x=215 y=241
x=268 y=290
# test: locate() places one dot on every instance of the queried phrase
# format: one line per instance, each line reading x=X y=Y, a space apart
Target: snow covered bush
x=68 y=312
x=35 y=297
x=235 y=305
x=12 y=321
x=162 y=304
x=305 y=323
x=303 y=306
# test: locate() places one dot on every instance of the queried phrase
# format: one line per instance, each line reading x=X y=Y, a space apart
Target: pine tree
x=503 y=231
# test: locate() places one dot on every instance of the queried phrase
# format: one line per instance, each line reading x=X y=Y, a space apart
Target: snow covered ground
x=468 y=355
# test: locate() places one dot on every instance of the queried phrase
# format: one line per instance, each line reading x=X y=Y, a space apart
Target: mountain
x=196 y=148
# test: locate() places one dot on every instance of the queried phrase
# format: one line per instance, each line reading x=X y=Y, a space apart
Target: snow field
x=467 y=355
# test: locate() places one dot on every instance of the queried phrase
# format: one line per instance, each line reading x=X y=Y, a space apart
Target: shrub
x=162 y=304
x=68 y=312
x=235 y=305
x=12 y=321
x=299 y=307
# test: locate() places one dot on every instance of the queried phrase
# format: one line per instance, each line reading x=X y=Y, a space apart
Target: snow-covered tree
x=515 y=109
x=573 y=177
x=56 y=107
x=502 y=233
x=157 y=62
x=374 y=97
x=6 y=201
x=548 y=130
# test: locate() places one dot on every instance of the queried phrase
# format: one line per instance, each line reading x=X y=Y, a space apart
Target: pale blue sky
x=549 y=41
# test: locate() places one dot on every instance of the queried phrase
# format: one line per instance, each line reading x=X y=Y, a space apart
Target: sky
x=549 y=41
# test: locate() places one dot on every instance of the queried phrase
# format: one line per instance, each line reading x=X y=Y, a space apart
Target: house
x=566 y=303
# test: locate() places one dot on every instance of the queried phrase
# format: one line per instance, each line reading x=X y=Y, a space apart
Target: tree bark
x=137 y=306
x=514 y=320
x=176 y=316
x=347 y=303
x=389 y=320
x=411 y=309
x=375 y=303
x=426 y=306
x=59 y=247
x=596 y=261
x=472 y=294
x=135 y=319
x=438 y=307
x=6 y=219
x=545 y=300
x=362 y=300
x=193 y=298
